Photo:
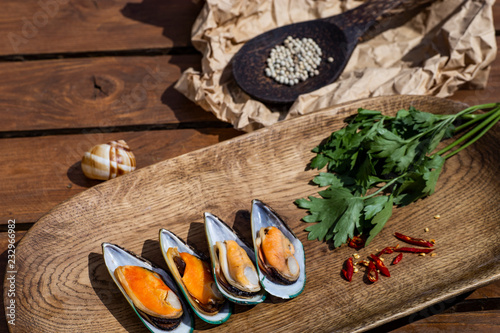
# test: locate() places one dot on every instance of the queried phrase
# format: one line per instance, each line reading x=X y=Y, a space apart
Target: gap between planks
x=186 y=50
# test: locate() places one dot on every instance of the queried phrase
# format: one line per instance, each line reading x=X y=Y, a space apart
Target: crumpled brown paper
x=448 y=44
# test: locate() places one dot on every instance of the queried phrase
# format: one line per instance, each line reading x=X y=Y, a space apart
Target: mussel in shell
x=149 y=290
x=279 y=253
x=233 y=263
x=193 y=275
x=197 y=279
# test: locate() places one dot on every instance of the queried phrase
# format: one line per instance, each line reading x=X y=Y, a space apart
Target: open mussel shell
x=170 y=240
x=263 y=216
x=218 y=231
x=116 y=256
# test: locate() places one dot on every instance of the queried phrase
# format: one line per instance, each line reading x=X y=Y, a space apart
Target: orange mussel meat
x=149 y=292
x=198 y=280
x=276 y=255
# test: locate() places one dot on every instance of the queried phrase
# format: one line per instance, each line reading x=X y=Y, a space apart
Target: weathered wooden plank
x=39 y=173
x=479 y=312
x=464 y=322
x=60 y=26
x=96 y=92
x=63 y=26
x=461 y=323
x=119 y=91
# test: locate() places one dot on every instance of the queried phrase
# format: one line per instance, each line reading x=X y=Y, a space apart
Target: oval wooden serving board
x=62 y=284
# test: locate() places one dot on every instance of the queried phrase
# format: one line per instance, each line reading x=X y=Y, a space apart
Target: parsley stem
x=474 y=118
x=488 y=123
x=466 y=114
x=471 y=109
x=385 y=186
x=468 y=110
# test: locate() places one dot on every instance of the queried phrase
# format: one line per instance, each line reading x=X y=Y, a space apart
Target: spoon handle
x=356 y=22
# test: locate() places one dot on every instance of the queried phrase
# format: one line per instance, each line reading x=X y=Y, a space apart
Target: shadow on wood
x=110 y=295
x=76 y=176
x=154 y=12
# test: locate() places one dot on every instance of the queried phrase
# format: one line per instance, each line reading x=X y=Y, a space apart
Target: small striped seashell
x=109 y=160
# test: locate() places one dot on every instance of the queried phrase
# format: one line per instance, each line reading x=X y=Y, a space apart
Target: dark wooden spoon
x=337 y=36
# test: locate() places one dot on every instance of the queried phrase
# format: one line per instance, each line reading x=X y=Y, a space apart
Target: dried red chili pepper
x=412 y=240
x=380 y=265
x=357 y=242
x=349 y=269
x=388 y=250
x=413 y=250
x=397 y=259
x=371 y=272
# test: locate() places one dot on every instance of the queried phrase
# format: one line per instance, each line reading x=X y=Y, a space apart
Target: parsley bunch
x=378 y=161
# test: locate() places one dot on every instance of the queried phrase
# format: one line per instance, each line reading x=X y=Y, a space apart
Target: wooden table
x=78 y=73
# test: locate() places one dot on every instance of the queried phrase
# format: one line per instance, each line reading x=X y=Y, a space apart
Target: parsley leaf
x=380 y=219
x=378 y=161
x=327 y=211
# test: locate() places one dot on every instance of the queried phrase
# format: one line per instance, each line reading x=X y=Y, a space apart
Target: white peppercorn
x=294 y=61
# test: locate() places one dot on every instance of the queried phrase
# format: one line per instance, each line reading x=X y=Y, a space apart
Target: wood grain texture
x=468 y=322
x=64 y=26
x=31 y=189
x=461 y=317
x=76 y=93
x=478 y=311
x=490 y=291
x=63 y=284
x=96 y=92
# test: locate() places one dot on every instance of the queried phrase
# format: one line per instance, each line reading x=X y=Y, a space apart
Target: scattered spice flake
x=422 y=254
x=426 y=229
x=413 y=240
x=433 y=254
x=363 y=262
x=355 y=256
x=437 y=217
